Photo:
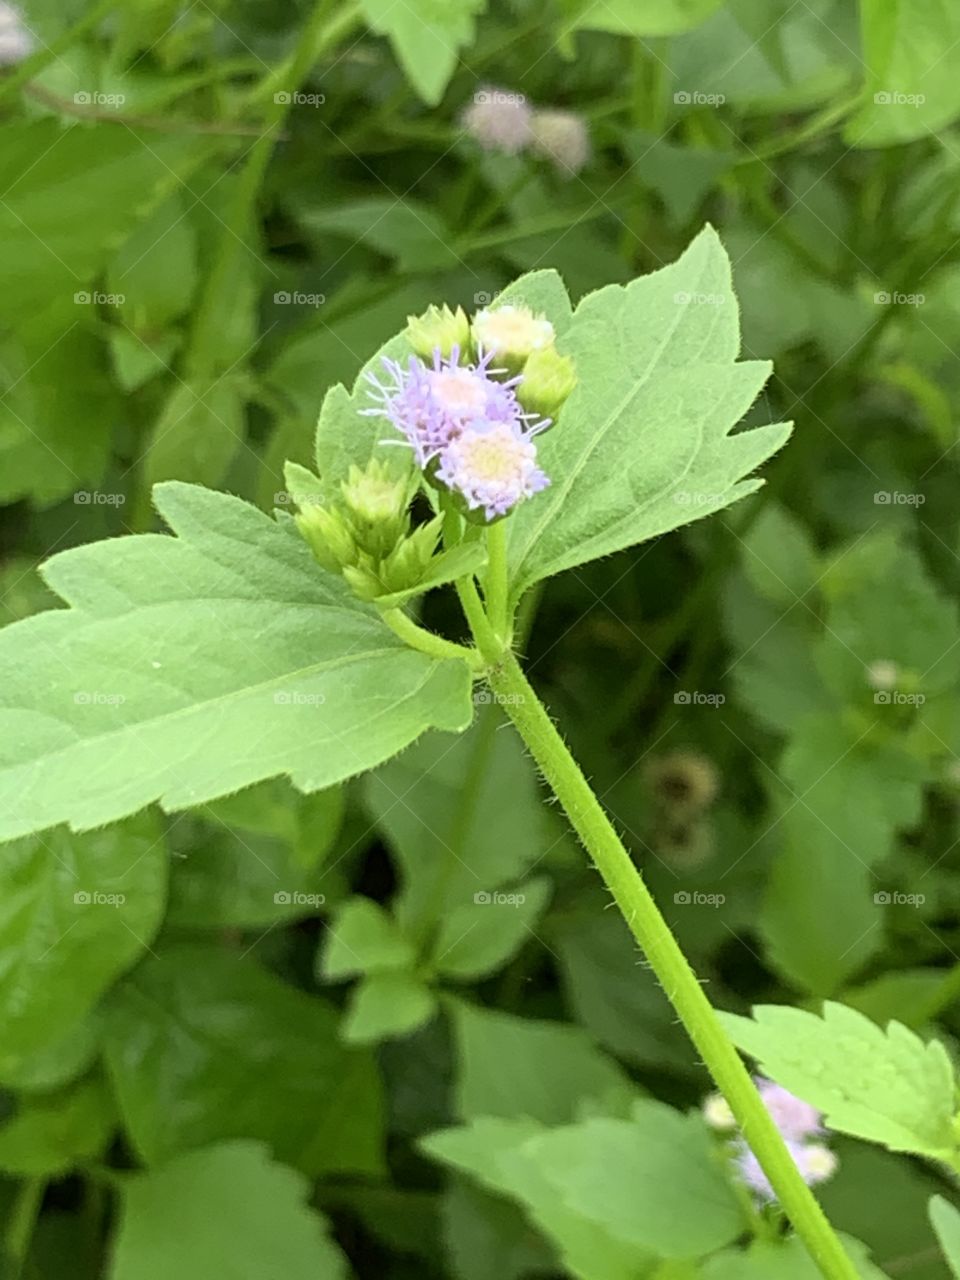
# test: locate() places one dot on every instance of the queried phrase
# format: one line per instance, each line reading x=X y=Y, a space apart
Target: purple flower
x=470 y=423
x=815 y=1162
x=493 y=467
x=797 y=1120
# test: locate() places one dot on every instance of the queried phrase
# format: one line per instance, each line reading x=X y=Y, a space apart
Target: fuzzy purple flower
x=815 y=1163
x=797 y=1120
x=469 y=423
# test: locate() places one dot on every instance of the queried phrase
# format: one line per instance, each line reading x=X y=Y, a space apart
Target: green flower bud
x=375 y=505
x=409 y=561
x=365 y=581
x=512 y=333
x=548 y=379
x=438 y=327
x=328 y=537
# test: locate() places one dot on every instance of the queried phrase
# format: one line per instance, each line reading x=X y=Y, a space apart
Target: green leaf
x=156 y=269
x=202 y=1046
x=643 y=444
x=364 y=939
x=463 y=817
x=884 y=1086
x=57 y=1063
x=779 y=559
x=51 y=1133
x=945 y=1220
x=386 y=1005
x=554 y=1069
x=228 y=1210
x=212 y=660
x=426 y=36
x=477 y=939
x=411 y=233
x=651 y=1181
x=75 y=912
x=911 y=89
x=200 y=429
x=786 y=1260
x=495 y=1152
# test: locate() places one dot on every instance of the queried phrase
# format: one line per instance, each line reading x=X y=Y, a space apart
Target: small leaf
x=426 y=36
x=364 y=939
x=386 y=1005
x=51 y=1133
x=480 y=937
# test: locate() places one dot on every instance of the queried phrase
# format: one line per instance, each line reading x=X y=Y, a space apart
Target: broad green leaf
x=643 y=444
x=779 y=559
x=945 y=1220
x=488 y=1237
x=426 y=36
x=650 y=1181
x=202 y=1046
x=198 y=432
x=911 y=87
x=495 y=1152
x=364 y=939
x=75 y=912
x=383 y=1006
x=554 y=1069
x=402 y=229
x=226 y=1210
x=156 y=270
x=57 y=1063
x=477 y=939
x=884 y=1086
x=50 y=1133
x=205 y=662
x=639 y=17
x=463 y=816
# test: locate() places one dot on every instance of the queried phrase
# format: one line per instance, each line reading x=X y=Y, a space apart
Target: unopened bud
x=375 y=505
x=512 y=333
x=328 y=537
x=438 y=329
x=548 y=379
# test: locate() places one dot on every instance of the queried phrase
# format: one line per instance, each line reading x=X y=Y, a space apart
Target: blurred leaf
x=945 y=1220
x=638 y=17
x=363 y=940
x=786 y=1260
x=385 y=1005
x=156 y=269
x=198 y=432
x=236 y=1212
x=426 y=36
x=779 y=559
x=555 y=1071
x=75 y=912
x=202 y=1045
x=51 y=1133
x=409 y=232
x=477 y=939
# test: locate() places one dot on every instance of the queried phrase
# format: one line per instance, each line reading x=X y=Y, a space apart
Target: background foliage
x=390 y=1029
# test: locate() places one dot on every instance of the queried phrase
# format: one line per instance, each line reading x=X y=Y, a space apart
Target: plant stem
x=487 y=642
x=668 y=962
x=23 y=1220
x=419 y=638
x=495 y=581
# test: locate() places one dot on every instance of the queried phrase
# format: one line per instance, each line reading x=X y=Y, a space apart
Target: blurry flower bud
x=683 y=782
x=548 y=379
x=882 y=675
x=498 y=120
x=16 y=41
x=563 y=137
x=375 y=505
x=328 y=536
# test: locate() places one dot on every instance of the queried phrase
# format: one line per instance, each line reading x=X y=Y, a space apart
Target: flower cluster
x=469 y=409
x=503 y=121
x=800 y=1124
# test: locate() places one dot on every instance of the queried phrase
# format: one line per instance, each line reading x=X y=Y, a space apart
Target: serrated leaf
x=885 y=1086
x=643 y=444
x=213 y=660
x=237 y=1214
x=203 y=1046
x=75 y=912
